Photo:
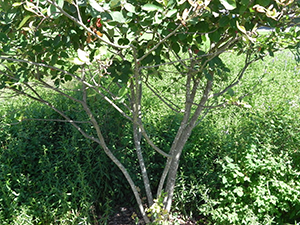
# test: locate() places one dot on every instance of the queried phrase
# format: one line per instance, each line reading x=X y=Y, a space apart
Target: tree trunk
x=182 y=136
x=136 y=105
x=137 y=141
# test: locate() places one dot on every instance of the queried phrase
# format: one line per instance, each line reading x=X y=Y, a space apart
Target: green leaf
x=25 y=19
x=228 y=4
x=123 y=41
x=83 y=56
x=245 y=2
x=151 y=7
x=114 y=3
x=68 y=78
x=176 y=47
x=264 y=3
x=54 y=59
x=215 y=36
x=129 y=7
x=157 y=59
x=147 y=36
x=205 y=43
x=171 y=12
x=242 y=9
x=158 y=18
x=37 y=48
x=52 y=11
x=241 y=28
x=224 y=21
x=56 y=40
x=208 y=76
x=105 y=16
x=3 y=38
x=148 y=59
x=6 y=48
x=117 y=17
x=123 y=91
x=56 y=82
x=60 y=3
x=16 y=4
x=76 y=61
x=29 y=6
x=239 y=191
x=96 y=6
x=230 y=91
x=64 y=55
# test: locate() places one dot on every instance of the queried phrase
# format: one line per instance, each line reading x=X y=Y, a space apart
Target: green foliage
x=259 y=188
x=157 y=211
x=49 y=173
x=39 y=32
x=159 y=215
x=243 y=174
x=114 y=48
x=271 y=125
x=67 y=171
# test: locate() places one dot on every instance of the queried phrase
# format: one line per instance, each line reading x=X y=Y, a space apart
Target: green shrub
x=49 y=173
x=260 y=187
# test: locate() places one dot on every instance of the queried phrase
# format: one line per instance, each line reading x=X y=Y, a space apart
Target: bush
x=259 y=188
x=50 y=173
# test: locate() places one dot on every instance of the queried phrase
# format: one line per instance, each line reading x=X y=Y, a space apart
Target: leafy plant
x=160 y=215
x=260 y=187
x=49 y=178
x=114 y=50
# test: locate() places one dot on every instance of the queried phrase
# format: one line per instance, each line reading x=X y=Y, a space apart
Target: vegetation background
x=241 y=165
x=90 y=62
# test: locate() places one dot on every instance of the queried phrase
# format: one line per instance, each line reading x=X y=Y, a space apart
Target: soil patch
x=130 y=216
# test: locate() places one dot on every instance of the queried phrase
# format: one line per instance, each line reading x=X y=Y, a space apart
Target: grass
x=51 y=175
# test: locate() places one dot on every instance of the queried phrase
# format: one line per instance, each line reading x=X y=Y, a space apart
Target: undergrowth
x=240 y=166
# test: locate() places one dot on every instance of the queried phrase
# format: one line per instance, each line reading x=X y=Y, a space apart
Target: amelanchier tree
x=117 y=49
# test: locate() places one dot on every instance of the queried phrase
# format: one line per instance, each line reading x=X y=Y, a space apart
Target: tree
x=128 y=45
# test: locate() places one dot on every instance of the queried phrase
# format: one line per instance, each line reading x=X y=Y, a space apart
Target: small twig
x=164 y=100
x=150 y=142
x=59 y=91
x=159 y=43
x=78 y=12
x=72 y=122
x=239 y=76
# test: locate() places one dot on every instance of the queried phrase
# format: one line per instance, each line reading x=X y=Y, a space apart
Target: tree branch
x=85 y=27
x=72 y=75
x=160 y=42
x=43 y=101
x=239 y=76
x=165 y=101
x=115 y=160
x=150 y=142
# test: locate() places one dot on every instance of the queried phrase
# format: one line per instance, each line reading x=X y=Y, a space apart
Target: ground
x=123 y=216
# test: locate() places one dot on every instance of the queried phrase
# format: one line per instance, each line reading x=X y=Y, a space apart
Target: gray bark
x=183 y=135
